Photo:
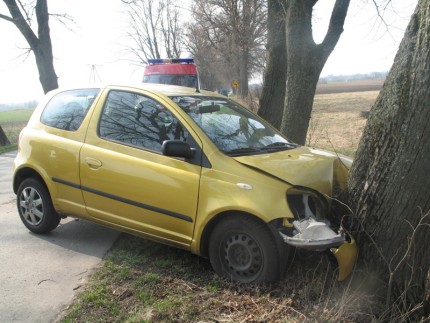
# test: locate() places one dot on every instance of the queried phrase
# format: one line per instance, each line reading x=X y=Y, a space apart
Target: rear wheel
x=35 y=207
x=243 y=249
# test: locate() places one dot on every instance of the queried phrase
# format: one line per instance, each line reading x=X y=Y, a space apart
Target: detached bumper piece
x=313 y=235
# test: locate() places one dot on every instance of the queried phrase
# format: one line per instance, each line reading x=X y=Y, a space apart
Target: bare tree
x=172 y=30
x=305 y=61
x=212 y=71
x=236 y=31
x=154 y=28
x=40 y=44
x=389 y=183
x=271 y=105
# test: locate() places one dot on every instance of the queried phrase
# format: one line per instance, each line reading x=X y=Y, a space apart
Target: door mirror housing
x=177 y=148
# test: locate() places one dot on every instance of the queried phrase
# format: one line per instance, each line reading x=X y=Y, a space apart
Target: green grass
x=12 y=122
x=21 y=115
x=7 y=148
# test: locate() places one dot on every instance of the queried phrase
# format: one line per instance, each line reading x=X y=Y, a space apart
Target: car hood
x=303 y=166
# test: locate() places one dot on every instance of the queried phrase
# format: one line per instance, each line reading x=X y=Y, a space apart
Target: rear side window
x=140 y=121
x=66 y=110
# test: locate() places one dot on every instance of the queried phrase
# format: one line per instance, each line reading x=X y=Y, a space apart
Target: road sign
x=235 y=84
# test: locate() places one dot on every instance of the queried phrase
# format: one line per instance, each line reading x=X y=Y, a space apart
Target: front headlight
x=305 y=204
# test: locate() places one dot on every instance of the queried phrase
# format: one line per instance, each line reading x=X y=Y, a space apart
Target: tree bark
x=305 y=62
x=272 y=98
x=40 y=45
x=389 y=183
x=243 y=73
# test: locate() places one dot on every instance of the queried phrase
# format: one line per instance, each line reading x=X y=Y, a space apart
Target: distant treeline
x=347 y=78
x=18 y=105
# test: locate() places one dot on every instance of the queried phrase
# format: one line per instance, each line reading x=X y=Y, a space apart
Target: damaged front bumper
x=313 y=235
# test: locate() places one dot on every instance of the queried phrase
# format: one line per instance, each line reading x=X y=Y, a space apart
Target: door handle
x=93 y=163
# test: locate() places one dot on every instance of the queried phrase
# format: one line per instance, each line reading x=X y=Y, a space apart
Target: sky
x=92 y=47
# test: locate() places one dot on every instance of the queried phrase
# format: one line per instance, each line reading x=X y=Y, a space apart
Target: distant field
x=350 y=86
x=338 y=120
x=15 y=115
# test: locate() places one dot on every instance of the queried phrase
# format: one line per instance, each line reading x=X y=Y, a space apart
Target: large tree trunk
x=389 y=183
x=272 y=97
x=43 y=49
x=41 y=45
x=305 y=63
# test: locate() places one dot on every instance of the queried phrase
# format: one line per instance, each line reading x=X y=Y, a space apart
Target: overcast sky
x=94 y=43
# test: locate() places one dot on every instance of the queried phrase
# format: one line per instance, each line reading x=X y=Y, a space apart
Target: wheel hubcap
x=243 y=257
x=31 y=206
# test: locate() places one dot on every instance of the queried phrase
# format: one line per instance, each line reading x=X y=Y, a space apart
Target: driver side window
x=138 y=120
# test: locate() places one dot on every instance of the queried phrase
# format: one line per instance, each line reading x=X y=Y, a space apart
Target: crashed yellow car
x=187 y=168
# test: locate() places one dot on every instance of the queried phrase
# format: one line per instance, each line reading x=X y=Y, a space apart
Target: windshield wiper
x=280 y=146
x=243 y=151
x=275 y=146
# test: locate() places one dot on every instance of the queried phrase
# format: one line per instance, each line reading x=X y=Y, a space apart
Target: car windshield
x=231 y=127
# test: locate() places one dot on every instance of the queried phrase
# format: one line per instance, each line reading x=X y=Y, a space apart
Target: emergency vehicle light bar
x=170 y=60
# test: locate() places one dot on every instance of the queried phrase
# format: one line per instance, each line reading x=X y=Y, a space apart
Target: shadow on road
x=79 y=236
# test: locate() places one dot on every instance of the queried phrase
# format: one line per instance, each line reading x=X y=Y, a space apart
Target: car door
x=127 y=181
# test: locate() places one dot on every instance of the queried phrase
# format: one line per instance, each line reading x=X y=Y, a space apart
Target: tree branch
x=7 y=18
x=335 y=27
x=20 y=22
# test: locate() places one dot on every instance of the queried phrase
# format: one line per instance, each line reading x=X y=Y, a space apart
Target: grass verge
x=143 y=281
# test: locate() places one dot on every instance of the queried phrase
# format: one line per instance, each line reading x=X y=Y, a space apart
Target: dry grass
x=338 y=120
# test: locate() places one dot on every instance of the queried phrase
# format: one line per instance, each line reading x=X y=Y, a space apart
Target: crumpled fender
x=346 y=255
x=317 y=236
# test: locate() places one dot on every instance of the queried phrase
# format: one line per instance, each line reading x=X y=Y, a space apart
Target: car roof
x=167 y=90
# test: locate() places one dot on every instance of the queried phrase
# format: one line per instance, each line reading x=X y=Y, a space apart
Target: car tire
x=243 y=249
x=35 y=207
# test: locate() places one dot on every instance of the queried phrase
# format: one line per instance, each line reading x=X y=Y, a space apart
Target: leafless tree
x=40 y=44
x=216 y=69
x=235 y=31
x=305 y=61
x=21 y=16
x=275 y=73
x=155 y=29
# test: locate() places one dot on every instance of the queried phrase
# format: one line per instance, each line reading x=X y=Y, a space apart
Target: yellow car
x=189 y=168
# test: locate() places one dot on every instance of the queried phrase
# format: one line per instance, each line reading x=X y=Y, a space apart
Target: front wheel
x=243 y=249
x=35 y=207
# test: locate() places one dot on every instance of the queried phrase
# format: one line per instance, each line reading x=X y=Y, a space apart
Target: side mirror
x=177 y=148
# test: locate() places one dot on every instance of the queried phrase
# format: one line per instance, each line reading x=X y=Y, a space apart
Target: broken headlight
x=310 y=228
x=306 y=204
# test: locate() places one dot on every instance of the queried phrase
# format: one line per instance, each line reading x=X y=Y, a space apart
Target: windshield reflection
x=231 y=127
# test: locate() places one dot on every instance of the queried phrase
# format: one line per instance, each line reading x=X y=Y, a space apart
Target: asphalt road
x=40 y=274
